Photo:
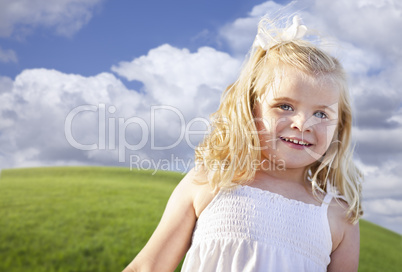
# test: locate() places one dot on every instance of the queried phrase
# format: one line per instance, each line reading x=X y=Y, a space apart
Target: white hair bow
x=266 y=39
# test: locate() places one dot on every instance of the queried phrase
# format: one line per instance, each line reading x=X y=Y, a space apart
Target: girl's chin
x=287 y=162
x=301 y=154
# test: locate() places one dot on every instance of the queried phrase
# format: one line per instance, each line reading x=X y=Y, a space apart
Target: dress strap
x=327 y=200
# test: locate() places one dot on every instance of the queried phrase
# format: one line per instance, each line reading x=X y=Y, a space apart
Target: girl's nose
x=301 y=122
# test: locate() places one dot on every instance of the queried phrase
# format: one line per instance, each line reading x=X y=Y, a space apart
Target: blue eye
x=320 y=114
x=285 y=107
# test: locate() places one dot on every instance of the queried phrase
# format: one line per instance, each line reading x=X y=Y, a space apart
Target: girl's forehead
x=291 y=82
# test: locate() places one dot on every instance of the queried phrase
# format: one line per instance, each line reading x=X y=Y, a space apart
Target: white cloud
x=175 y=76
x=378 y=146
x=269 y=7
x=386 y=206
x=35 y=108
x=7 y=55
x=19 y=17
x=365 y=23
x=383 y=209
x=39 y=101
x=364 y=26
x=382 y=182
x=6 y=84
x=190 y=83
x=239 y=34
x=356 y=60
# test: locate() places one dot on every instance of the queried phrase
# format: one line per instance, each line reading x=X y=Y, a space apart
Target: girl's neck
x=282 y=175
x=290 y=183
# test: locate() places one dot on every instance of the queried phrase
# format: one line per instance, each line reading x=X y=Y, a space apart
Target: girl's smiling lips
x=295 y=142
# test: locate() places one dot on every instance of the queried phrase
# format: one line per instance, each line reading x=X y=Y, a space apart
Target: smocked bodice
x=249 y=229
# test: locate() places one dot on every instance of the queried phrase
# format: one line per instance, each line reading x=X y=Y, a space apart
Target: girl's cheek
x=326 y=134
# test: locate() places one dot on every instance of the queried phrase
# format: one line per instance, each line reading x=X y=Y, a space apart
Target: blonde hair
x=232 y=150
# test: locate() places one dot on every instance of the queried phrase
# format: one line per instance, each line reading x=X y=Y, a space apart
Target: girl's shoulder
x=198 y=186
x=345 y=238
x=338 y=221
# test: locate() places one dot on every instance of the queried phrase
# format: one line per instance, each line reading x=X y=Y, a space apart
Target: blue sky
x=126 y=83
x=121 y=30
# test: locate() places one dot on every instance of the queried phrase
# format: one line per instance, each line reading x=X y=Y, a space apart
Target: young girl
x=274 y=187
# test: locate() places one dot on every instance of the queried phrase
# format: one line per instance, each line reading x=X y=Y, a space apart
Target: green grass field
x=98 y=218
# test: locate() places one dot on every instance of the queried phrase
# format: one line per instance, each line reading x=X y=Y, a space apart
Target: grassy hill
x=98 y=218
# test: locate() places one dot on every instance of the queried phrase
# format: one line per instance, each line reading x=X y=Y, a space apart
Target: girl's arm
x=346 y=255
x=171 y=239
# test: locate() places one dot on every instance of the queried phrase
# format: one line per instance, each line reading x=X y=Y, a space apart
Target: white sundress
x=248 y=229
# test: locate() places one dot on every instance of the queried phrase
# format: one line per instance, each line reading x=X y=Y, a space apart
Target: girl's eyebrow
x=283 y=98
x=328 y=108
x=290 y=100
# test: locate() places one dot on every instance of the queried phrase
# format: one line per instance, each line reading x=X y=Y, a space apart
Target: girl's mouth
x=295 y=141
